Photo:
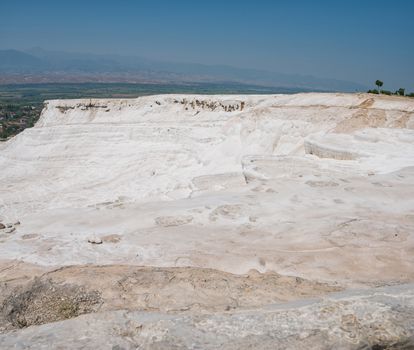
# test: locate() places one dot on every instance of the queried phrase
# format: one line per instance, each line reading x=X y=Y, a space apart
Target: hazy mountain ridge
x=55 y=66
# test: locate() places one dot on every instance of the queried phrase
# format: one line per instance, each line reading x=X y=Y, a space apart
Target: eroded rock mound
x=72 y=291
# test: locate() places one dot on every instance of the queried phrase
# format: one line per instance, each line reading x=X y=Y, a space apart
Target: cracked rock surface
x=355 y=320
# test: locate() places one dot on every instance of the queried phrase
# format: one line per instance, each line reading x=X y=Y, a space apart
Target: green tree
x=401 y=92
x=379 y=83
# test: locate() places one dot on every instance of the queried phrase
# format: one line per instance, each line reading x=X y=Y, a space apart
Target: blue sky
x=353 y=40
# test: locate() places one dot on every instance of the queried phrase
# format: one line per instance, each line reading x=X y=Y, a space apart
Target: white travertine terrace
x=292 y=169
x=317 y=186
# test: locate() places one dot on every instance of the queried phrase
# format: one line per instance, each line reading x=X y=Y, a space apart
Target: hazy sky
x=352 y=40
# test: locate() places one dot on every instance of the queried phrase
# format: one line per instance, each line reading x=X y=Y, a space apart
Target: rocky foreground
x=204 y=222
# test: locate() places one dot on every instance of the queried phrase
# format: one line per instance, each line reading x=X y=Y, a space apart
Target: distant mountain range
x=37 y=66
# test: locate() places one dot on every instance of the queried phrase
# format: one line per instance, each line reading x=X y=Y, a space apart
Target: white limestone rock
x=95 y=240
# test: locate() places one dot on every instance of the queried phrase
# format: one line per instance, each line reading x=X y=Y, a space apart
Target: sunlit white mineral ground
x=267 y=199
